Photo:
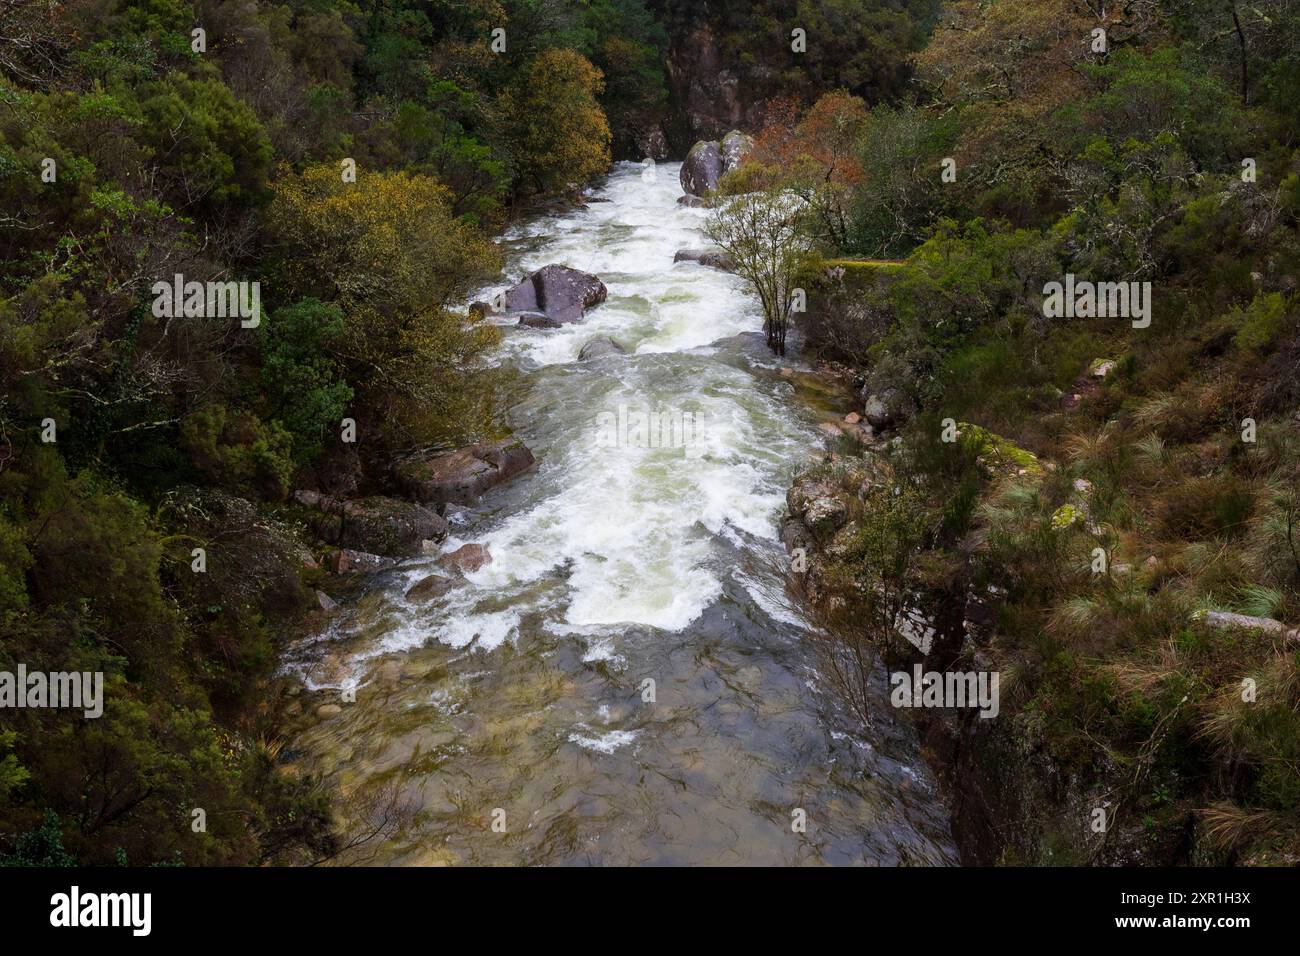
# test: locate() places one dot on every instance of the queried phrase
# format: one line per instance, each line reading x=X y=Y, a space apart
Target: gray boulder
x=702 y=168
x=883 y=409
x=345 y=561
x=558 y=292
x=537 y=320
x=467 y=559
x=430 y=587
x=463 y=475
x=597 y=347
x=825 y=516
x=735 y=147
x=714 y=258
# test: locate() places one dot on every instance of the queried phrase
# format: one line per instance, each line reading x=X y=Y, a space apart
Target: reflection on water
x=623 y=683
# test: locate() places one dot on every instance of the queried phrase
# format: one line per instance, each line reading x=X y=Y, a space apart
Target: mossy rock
x=1000 y=454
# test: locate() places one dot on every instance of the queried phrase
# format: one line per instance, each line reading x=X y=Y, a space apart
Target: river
x=524 y=698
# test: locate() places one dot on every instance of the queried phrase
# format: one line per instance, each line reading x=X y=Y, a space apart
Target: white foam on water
x=597 y=538
x=654 y=304
x=634 y=526
x=605 y=743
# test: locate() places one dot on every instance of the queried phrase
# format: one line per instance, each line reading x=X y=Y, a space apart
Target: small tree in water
x=761 y=233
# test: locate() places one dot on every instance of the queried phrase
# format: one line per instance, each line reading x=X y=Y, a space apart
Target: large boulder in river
x=603 y=345
x=702 y=168
x=560 y=293
x=462 y=476
x=734 y=148
x=708 y=161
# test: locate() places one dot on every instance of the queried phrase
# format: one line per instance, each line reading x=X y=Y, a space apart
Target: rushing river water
x=520 y=696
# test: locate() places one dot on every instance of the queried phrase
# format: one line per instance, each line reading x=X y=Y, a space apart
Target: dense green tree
x=561 y=135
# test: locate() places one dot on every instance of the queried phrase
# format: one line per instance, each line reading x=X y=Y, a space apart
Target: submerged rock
x=430 y=587
x=537 y=320
x=597 y=347
x=463 y=475
x=714 y=258
x=559 y=292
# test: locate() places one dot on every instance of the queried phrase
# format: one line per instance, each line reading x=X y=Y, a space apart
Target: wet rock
x=708 y=161
x=326 y=602
x=463 y=475
x=536 y=320
x=702 y=168
x=347 y=561
x=385 y=526
x=597 y=347
x=714 y=258
x=430 y=587
x=467 y=558
x=389 y=527
x=559 y=292
x=694 y=202
x=478 y=310
x=735 y=147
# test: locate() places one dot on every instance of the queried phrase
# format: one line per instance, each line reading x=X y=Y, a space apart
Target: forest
x=930 y=163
